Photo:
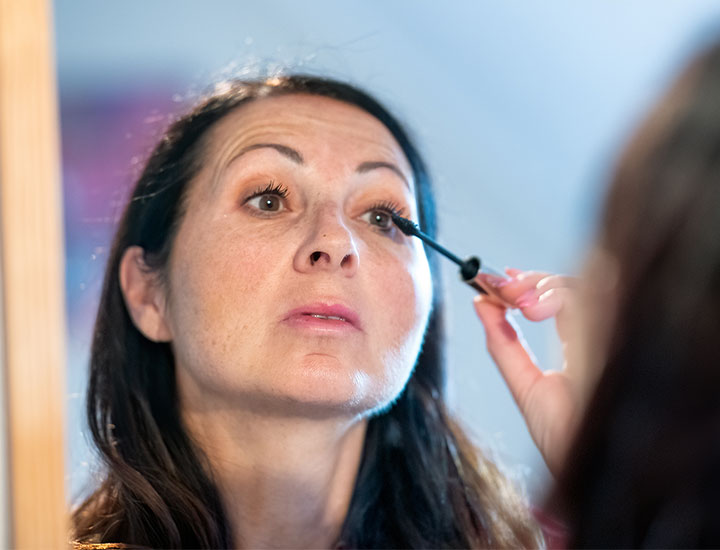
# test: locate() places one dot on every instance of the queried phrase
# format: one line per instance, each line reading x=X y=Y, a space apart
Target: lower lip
x=316 y=324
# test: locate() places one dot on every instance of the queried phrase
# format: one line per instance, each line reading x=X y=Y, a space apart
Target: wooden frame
x=32 y=263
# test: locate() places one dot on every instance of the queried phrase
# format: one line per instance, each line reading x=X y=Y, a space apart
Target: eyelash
x=389 y=207
x=272 y=188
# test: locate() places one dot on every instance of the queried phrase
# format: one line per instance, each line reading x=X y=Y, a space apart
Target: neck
x=284 y=481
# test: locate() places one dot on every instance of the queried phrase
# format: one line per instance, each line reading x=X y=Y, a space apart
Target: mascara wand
x=469 y=268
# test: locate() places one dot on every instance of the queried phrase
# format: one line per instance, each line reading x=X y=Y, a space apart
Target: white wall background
x=519 y=107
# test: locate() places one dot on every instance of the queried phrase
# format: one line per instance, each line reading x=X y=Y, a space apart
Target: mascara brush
x=472 y=270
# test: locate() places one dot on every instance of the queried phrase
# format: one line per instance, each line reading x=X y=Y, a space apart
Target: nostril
x=315 y=256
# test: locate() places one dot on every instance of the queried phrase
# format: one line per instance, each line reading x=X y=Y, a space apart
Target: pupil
x=269 y=203
x=381 y=218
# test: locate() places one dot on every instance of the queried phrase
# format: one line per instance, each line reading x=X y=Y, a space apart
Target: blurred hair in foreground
x=645 y=468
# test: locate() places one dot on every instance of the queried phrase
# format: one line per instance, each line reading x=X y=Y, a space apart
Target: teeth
x=318 y=316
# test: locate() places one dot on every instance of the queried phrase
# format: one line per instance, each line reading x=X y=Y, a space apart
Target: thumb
x=507 y=349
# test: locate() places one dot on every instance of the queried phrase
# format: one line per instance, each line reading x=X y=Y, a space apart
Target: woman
x=644 y=469
x=266 y=367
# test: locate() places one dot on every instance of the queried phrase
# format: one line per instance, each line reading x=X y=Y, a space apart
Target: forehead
x=310 y=122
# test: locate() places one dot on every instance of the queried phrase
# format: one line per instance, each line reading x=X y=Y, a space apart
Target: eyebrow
x=374 y=165
x=284 y=150
x=297 y=158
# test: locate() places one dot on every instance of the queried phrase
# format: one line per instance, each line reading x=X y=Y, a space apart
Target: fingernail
x=504 y=281
x=494 y=280
x=527 y=299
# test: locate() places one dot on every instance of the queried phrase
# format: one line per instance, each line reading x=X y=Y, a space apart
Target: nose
x=329 y=246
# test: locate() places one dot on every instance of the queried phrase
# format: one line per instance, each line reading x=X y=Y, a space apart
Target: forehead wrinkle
x=254 y=127
x=242 y=140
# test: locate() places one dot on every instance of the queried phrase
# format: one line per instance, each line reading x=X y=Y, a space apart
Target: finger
x=560 y=303
x=557 y=281
x=531 y=296
x=510 y=290
x=549 y=304
x=507 y=349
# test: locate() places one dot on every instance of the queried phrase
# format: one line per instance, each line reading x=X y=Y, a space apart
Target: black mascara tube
x=472 y=270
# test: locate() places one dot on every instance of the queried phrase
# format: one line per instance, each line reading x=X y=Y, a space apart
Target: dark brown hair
x=645 y=468
x=420 y=484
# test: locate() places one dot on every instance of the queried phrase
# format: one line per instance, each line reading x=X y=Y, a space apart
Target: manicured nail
x=527 y=299
x=494 y=280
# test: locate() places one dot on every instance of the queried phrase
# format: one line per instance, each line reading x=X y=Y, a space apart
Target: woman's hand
x=549 y=401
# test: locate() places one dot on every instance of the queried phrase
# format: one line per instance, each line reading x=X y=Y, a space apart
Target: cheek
x=408 y=289
x=402 y=302
x=403 y=299
x=404 y=308
x=219 y=283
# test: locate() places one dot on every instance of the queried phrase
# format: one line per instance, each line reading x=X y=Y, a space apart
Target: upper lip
x=327 y=309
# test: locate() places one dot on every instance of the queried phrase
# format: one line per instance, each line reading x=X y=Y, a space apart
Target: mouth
x=324 y=317
x=319 y=316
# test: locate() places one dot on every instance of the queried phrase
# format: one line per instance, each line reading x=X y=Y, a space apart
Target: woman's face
x=289 y=290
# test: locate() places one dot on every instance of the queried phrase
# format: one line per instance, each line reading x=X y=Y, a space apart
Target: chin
x=321 y=385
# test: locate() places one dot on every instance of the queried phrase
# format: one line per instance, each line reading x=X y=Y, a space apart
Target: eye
x=266 y=203
x=380 y=216
x=268 y=199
